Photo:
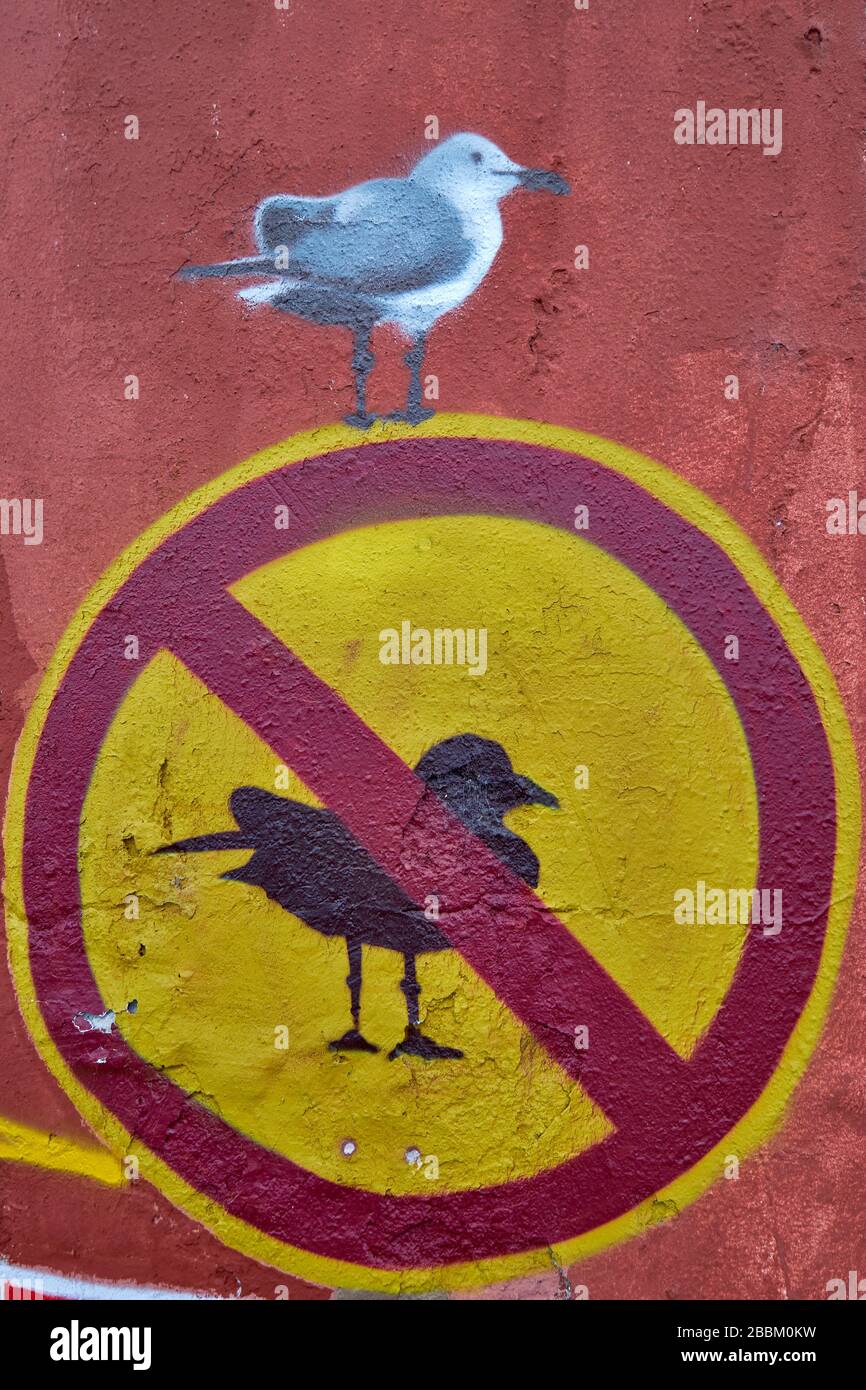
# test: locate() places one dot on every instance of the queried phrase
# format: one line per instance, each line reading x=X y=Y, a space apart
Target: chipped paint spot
x=101 y=1023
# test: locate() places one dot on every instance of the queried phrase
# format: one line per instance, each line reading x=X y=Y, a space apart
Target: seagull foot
x=414 y=415
x=360 y=422
x=415 y=1044
x=352 y=1041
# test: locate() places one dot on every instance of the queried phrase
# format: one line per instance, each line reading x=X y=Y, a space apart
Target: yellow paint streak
x=20 y=1144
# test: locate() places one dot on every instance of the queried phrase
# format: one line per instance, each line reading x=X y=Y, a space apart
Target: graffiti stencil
x=731 y=772
x=396 y=251
x=307 y=862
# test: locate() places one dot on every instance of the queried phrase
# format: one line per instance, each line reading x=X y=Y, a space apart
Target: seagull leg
x=415 y=411
x=414 y=1043
x=362 y=364
x=353 y=1041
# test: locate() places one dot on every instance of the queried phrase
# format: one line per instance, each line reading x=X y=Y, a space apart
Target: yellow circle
x=583 y=663
x=178 y=754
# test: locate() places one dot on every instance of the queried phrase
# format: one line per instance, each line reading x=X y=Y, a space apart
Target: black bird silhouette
x=307 y=861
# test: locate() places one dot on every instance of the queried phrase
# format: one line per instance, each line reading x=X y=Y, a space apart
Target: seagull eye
x=477 y=156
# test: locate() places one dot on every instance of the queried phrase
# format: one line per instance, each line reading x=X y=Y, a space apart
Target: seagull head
x=474 y=777
x=469 y=170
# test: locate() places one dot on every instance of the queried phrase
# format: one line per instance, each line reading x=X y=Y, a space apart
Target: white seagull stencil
x=399 y=251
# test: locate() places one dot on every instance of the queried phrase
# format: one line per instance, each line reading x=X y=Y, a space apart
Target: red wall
x=703 y=262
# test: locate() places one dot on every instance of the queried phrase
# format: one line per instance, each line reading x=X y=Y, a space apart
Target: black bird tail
x=248 y=265
x=221 y=839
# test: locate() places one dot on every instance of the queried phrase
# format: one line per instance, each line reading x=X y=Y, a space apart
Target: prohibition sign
x=669 y=1114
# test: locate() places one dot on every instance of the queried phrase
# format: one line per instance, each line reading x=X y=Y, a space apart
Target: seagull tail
x=221 y=839
x=248 y=265
x=263 y=294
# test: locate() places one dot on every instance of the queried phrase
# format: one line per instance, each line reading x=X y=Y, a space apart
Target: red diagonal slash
x=499 y=925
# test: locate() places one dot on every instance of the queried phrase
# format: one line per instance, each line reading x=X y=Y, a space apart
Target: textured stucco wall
x=703 y=262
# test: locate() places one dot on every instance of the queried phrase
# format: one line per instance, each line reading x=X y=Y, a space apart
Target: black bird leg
x=362 y=364
x=353 y=1041
x=415 y=1044
x=415 y=410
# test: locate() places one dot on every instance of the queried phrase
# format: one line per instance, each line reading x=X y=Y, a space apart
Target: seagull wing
x=306 y=857
x=312 y=866
x=388 y=236
x=282 y=219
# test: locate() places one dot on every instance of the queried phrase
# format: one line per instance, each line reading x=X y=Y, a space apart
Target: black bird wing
x=312 y=866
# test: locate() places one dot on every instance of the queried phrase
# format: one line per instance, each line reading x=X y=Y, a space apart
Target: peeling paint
x=101 y=1023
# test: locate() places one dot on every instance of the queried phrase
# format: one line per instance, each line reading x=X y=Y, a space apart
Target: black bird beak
x=543 y=181
x=221 y=839
x=534 y=795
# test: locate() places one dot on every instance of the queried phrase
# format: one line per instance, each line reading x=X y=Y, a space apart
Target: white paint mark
x=61 y=1286
x=101 y=1023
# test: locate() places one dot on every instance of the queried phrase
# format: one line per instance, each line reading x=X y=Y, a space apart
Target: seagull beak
x=531 y=794
x=542 y=181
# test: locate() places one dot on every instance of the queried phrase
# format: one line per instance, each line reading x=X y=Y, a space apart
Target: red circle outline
x=796 y=797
